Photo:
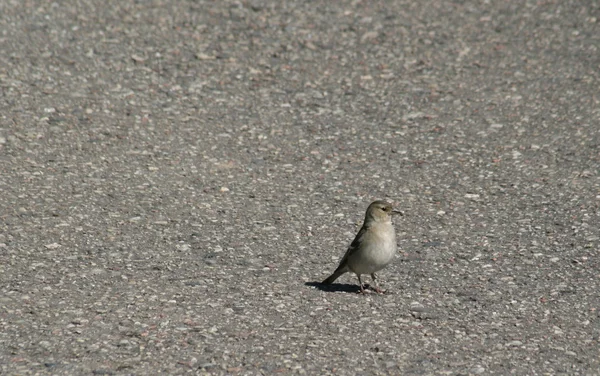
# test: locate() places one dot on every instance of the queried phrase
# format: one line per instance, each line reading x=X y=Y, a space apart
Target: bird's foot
x=364 y=289
x=378 y=290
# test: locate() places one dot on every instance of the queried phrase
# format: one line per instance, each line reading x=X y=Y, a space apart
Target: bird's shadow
x=334 y=287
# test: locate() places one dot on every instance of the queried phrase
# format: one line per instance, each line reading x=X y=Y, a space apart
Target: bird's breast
x=377 y=250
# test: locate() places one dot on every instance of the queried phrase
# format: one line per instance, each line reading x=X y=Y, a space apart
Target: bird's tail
x=334 y=276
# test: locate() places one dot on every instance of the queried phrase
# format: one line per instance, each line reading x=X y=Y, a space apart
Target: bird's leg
x=362 y=289
x=376 y=285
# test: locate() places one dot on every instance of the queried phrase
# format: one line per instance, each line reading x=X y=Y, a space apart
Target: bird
x=373 y=248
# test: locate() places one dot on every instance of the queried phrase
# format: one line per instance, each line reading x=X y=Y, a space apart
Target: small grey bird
x=373 y=247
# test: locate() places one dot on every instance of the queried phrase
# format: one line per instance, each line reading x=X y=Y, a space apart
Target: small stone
x=183 y=247
x=203 y=56
x=97 y=271
x=413 y=116
x=478 y=369
x=417 y=307
x=45 y=344
x=137 y=58
x=369 y=35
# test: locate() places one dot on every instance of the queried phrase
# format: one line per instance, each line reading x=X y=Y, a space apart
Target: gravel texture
x=177 y=176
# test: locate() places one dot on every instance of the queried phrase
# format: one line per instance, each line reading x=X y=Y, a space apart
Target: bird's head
x=380 y=211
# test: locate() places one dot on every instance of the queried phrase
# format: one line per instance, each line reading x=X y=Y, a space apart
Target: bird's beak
x=397 y=212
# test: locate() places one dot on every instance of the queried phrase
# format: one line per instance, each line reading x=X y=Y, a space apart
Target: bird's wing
x=353 y=246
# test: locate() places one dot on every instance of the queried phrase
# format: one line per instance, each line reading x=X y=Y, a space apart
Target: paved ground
x=176 y=176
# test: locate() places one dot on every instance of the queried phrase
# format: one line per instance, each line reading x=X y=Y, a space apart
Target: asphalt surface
x=177 y=176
